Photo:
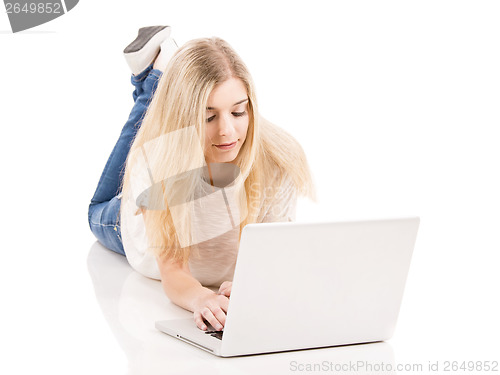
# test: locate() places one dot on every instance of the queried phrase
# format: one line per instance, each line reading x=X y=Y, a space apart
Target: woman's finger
x=198 y=319
x=225 y=288
x=222 y=287
x=223 y=302
x=210 y=317
x=220 y=315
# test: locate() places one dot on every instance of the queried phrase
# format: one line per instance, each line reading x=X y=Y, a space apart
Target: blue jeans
x=104 y=208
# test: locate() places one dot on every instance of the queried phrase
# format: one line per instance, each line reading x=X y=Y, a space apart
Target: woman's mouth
x=226 y=146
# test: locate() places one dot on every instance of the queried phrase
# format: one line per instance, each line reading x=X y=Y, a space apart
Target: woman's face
x=227 y=121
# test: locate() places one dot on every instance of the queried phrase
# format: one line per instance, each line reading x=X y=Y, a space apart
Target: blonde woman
x=194 y=164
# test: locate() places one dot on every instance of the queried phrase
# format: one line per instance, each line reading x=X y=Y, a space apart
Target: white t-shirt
x=217 y=232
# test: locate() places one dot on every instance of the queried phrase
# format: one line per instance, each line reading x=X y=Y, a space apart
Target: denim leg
x=104 y=223
x=104 y=208
x=111 y=178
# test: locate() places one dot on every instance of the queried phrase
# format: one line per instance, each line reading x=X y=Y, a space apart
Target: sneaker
x=168 y=49
x=143 y=50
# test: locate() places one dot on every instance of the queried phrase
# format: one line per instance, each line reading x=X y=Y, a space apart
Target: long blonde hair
x=169 y=143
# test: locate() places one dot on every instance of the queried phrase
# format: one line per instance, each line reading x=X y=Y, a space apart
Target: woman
x=202 y=164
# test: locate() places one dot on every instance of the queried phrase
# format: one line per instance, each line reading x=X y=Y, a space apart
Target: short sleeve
x=281 y=205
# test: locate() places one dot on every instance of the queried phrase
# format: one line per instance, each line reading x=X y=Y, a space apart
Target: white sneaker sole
x=141 y=59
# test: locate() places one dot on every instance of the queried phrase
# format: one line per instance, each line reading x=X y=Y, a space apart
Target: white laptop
x=310 y=285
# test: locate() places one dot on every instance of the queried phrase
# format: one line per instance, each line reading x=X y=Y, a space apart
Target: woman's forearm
x=180 y=286
x=184 y=290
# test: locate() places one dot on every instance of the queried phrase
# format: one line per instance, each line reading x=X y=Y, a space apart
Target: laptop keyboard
x=216 y=334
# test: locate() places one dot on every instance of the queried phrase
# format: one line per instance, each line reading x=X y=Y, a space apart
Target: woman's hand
x=212 y=308
x=225 y=288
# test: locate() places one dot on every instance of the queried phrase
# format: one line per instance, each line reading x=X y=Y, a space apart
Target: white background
x=395 y=103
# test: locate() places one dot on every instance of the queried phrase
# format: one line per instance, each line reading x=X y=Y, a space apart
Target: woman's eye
x=238 y=114
x=210 y=118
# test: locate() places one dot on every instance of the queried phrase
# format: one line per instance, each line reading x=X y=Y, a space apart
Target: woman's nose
x=225 y=125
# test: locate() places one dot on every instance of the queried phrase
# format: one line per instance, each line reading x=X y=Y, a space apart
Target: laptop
x=310 y=285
